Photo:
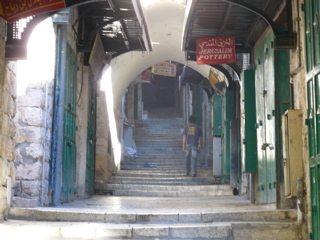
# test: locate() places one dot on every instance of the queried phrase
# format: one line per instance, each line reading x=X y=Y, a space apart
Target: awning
x=14 y=10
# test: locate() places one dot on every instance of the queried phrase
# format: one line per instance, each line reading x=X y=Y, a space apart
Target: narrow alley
x=94 y=98
x=152 y=198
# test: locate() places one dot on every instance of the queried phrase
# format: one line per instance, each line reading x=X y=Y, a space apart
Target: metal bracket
x=61 y=17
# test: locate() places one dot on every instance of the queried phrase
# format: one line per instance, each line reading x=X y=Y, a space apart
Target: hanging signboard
x=164 y=69
x=216 y=50
x=97 y=57
x=14 y=10
x=213 y=78
x=146 y=75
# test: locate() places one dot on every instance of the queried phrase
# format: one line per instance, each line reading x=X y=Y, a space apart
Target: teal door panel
x=91 y=137
x=269 y=74
x=261 y=134
x=315 y=33
x=217 y=116
x=310 y=120
x=265 y=102
x=308 y=35
x=235 y=166
x=68 y=189
x=312 y=9
x=282 y=103
x=227 y=115
x=315 y=208
x=250 y=161
x=317 y=112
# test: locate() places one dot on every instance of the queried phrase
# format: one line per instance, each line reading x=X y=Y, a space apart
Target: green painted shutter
x=250 y=163
x=313 y=99
x=68 y=189
x=265 y=102
x=217 y=115
x=227 y=115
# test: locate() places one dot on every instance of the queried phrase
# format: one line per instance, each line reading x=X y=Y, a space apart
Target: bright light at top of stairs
x=147 y=3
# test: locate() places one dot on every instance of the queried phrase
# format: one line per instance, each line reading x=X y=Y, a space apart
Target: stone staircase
x=158 y=169
x=156 y=201
x=97 y=224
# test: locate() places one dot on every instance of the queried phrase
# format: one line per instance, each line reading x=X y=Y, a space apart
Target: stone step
x=151 y=165
x=117 y=179
x=165 y=172
x=90 y=215
x=142 y=167
x=28 y=230
x=146 y=142
x=145 y=163
x=157 y=157
x=154 y=138
x=169 y=133
x=180 y=188
x=155 y=164
x=161 y=152
x=190 y=181
x=168 y=157
x=165 y=193
x=154 y=160
x=150 y=173
x=179 y=183
x=159 y=137
x=161 y=147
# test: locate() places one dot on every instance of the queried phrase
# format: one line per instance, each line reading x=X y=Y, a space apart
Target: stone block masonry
x=33 y=139
x=7 y=128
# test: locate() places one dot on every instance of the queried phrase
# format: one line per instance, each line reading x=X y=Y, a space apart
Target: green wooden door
x=250 y=162
x=265 y=102
x=312 y=37
x=91 y=137
x=227 y=115
x=68 y=189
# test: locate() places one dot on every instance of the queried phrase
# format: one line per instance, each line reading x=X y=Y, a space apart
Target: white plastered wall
x=165 y=31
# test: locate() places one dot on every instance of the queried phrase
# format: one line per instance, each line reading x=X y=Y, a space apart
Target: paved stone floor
x=162 y=205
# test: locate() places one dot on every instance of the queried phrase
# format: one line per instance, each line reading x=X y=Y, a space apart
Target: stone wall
x=33 y=140
x=104 y=166
x=298 y=78
x=7 y=127
x=82 y=123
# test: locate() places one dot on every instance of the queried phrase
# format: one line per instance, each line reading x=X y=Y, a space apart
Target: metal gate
x=91 y=137
x=68 y=189
x=312 y=13
x=265 y=102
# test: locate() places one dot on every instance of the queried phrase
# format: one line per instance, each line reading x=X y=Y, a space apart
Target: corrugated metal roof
x=214 y=18
x=117 y=23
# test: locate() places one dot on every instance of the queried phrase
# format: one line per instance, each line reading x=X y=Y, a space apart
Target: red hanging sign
x=14 y=10
x=216 y=50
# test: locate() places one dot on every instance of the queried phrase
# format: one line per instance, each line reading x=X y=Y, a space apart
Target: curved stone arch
x=15 y=44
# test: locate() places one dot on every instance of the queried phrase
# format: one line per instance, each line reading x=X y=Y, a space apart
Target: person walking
x=191 y=144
